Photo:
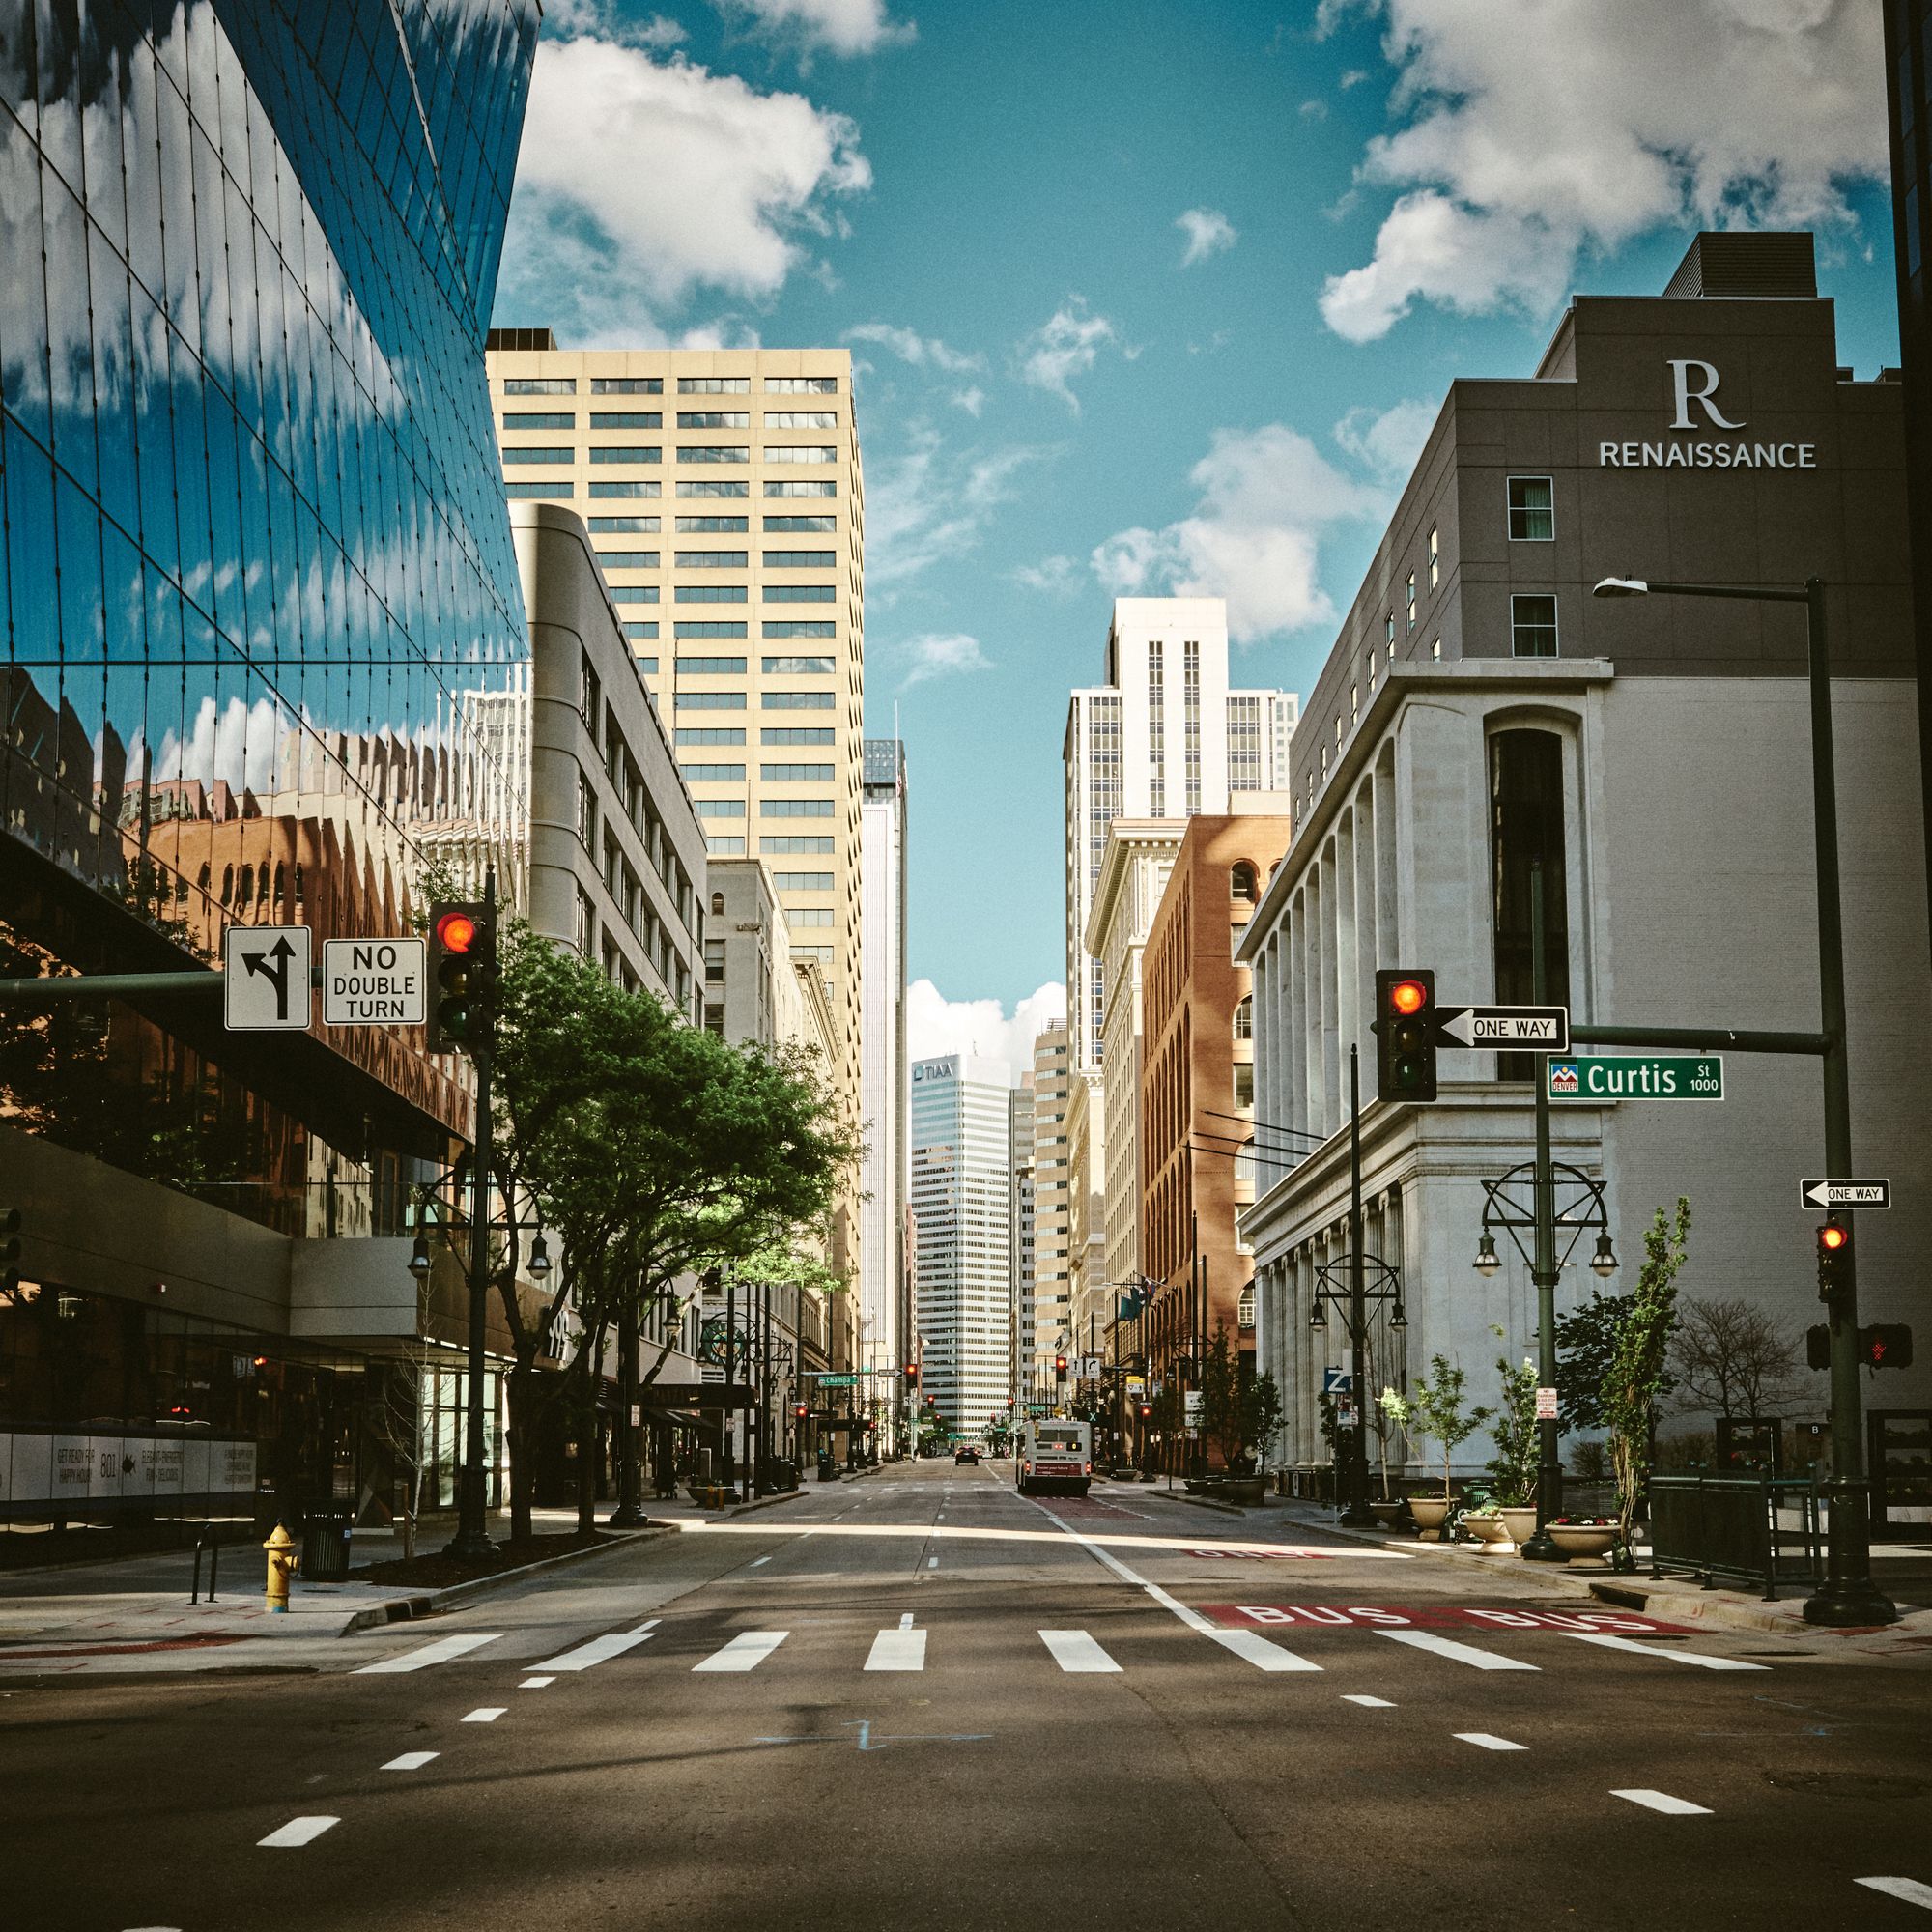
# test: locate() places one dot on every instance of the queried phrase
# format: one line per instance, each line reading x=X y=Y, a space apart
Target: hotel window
x=642 y=628
x=714 y=452
x=723 y=844
x=782 y=844
x=801 y=560
x=801 y=452
x=540 y=385
x=1532 y=509
x=711 y=667
x=710 y=701
x=1435 y=558
x=714 y=386
x=798 y=525
x=1526 y=827
x=723 y=486
x=713 y=559
x=1533 y=627
x=719 y=775
x=525 y=493
x=633 y=488
x=798 y=667
x=634 y=593
x=709 y=593
x=625 y=420
x=795 y=774
x=800 y=627
x=627 y=386
x=801 y=593
x=720 y=808
x=627 y=559
x=809 y=915
x=800 y=419
x=610 y=526
x=803 y=882
x=1190 y=713
x=800 y=700
x=801 y=385
x=797 y=735
x=1156 y=731
x=547 y=453
x=711 y=734
x=808 y=487
x=542 y=420
x=713 y=419
x=1409 y=599
x=714 y=527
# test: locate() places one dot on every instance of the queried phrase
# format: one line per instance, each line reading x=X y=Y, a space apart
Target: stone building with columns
x=1480 y=712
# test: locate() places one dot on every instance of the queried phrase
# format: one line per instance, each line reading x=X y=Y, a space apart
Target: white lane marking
x=410 y=1761
x=901 y=1649
x=1907 y=1888
x=298 y=1832
x=1661 y=1801
x=442 y=1651
x=598 y=1650
x=486 y=1713
x=745 y=1651
x=932 y=1563
x=905 y=1622
x=757 y=1560
x=1457 y=1653
x=1076 y=1651
x=1610 y=1642
x=536 y=1683
x=1487 y=1740
x=649 y=1624
x=1256 y=1649
x=1369 y=1703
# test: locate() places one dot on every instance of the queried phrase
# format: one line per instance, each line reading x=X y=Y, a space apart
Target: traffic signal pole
x=471 y=1539
x=1357 y=1512
x=1542 y=1546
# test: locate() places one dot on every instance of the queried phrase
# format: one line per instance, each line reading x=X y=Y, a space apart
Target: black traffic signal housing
x=10 y=1249
x=1405 y=1036
x=463 y=977
x=1836 y=1260
x=1886 y=1345
x=912 y=1374
x=1059 y=1367
x=801 y=1409
x=1818 y=1346
x=1146 y=1411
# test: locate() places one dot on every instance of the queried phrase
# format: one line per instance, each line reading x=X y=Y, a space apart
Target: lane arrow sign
x=266 y=987
x=1872 y=1194
x=1541 y=1029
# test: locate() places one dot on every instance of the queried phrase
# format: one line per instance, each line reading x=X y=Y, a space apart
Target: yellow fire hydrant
x=282 y=1561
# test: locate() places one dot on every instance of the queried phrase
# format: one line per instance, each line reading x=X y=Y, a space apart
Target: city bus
x=1055 y=1456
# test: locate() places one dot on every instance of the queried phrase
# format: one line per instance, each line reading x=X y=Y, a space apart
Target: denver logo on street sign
x=1638 y=1077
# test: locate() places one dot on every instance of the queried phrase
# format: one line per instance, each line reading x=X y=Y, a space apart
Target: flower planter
x=1521 y=1524
x=1583 y=1540
x=1247 y=1491
x=1429 y=1513
x=1388 y=1515
x=1490 y=1531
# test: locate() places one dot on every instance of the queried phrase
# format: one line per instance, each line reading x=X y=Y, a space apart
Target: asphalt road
x=919 y=1700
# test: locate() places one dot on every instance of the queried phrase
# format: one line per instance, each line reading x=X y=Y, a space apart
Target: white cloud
x=1065 y=346
x=1266 y=495
x=1208 y=232
x=1533 y=134
x=920 y=350
x=1389 y=441
x=971 y=399
x=641 y=180
x=931 y=502
x=942 y=655
x=839 y=26
x=1056 y=576
x=936 y=1025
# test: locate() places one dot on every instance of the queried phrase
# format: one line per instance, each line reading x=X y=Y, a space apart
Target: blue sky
x=1150 y=297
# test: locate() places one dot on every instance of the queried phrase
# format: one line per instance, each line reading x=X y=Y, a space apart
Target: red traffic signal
x=801 y=1410
x=912 y=1374
x=1405 y=1036
x=462 y=959
x=1059 y=1367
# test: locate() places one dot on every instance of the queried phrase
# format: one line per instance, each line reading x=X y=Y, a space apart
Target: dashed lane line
x=1661 y=1801
x=1908 y=1889
x=536 y=1683
x=1366 y=1701
x=1075 y=1650
x=486 y=1713
x=442 y=1651
x=1487 y=1740
x=1703 y=1663
x=411 y=1760
x=1457 y=1653
x=297 y=1831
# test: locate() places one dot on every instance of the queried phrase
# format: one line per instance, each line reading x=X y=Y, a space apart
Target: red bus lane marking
x=1433 y=1617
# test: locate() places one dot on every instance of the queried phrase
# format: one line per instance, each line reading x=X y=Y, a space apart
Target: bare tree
x=1732 y=1358
x=397 y=1419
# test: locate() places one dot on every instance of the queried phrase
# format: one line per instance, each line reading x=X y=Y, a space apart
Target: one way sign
x=1845 y=1193
x=1546 y=1029
x=266 y=987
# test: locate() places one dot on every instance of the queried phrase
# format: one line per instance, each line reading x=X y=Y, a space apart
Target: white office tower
x=1164 y=737
x=1022 y=1207
x=885 y=1305
x=962 y=1220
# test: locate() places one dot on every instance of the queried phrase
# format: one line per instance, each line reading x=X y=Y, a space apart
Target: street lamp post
x=1849 y=1596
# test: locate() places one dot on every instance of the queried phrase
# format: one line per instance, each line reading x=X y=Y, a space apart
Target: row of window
x=728 y=593
x=713 y=526
x=732 y=559
x=768 y=808
x=771 y=734
x=769 y=701
x=529 y=419
x=772 y=631
x=561 y=489
x=768 y=774
x=730 y=846
x=523 y=455
x=772 y=666
x=687 y=386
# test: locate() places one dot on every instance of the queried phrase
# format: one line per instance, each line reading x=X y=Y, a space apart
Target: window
x=1435 y=558
x=710 y=593
x=1354 y=702
x=542 y=420
x=1244 y=1088
x=586 y=811
x=797 y=735
x=806 y=627
x=801 y=418
x=708 y=526
x=1243 y=882
x=1532 y=509
x=801 y=385
x=711 y=734
x=541 y=453
x=627 y=419
x=627 y=559
x=801 y=593
x=524 y=493
x=1435 y=650
x=627 y=452
x=809 y=915
x=1388 y=633
x=710 y=701
x=611 y=525
x=627 y=386
x=795 y=808
x=639 y=487
x=713 y=419
x=713 y=452
x=828 y=488
x=1533 y=627
x=799 y=701
x=711 y=667
x=1525 y=828
x=798 y=525
x=634 y=593
x=646 y=666
x=1244 y=1308
x=693 y=628
x=540 y=385
x=802 y=881
x=714 y=386
x=821 y=954
x=798 y=667
x=589 y=696
x=1245 y=1017
x=801 y=452
x=801 y=560
x=714 y=955
x=722 y=487
x=802 y=844
x=642 y=628
x=712 y=560
x=712 y=774
x=795 y=774
x=1409 y=600
x=724 y=845
x=720 y=808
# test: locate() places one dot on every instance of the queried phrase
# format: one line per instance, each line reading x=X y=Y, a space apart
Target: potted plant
x=1435 y=1410
x=1584 y=1536
x=1389 y=1510
x=1241 y=1411
x=1514 y=1468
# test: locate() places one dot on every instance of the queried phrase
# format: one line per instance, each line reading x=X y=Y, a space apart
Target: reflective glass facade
x=265 y=648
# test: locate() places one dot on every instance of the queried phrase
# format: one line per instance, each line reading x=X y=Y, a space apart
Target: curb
x=1201 y=1502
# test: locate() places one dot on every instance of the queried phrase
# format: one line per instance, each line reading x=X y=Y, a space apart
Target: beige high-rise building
x=1048 y=1318
x=726 y=500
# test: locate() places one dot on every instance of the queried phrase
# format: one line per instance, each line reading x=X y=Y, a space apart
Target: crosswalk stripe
x=1370 y=1703
x=442 y=1651
x=410 y=1761
x=598 y=1650
x=1260 y=1652
x=898 y=1650
x=1487 y=1740
x=298 y=1832
x=1661 y=1801
x=745 y=1651
x=1076 y=1651
x=1908 y=1889
x=1702 y=1662
x=1457 y=1653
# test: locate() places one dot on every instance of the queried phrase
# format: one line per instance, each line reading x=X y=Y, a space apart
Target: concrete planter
x=1388 y=1515
x=1247 y=1491
x=1521 y=1524
x=1490 y=1531
x=1583 y=1541
x=1429 y=1513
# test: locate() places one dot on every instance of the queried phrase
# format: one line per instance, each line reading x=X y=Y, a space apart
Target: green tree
x=1586 y=1345
x=1241 y=1411
x=1435 y=1410
x=1519 y=1444
x=1636 y=1372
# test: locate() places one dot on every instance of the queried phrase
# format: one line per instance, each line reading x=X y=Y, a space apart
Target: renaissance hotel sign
x=1694 y=384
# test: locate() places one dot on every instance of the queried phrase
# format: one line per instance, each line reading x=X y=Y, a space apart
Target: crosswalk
x=1075 y=1652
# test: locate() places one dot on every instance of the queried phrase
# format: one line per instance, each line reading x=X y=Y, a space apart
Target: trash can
x=325 y=1538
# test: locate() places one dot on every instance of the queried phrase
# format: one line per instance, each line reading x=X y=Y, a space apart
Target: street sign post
x=1872 y=1194
x=265 y=985
x=1638 y=1077
x=1545 y=1404
x=374 y=981
x=1541 y=1029
x=1335 y=1381
x=1191 y=1409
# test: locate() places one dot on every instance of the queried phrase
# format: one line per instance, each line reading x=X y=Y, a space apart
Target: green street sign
x=838 y=1381
x=1638 y=1077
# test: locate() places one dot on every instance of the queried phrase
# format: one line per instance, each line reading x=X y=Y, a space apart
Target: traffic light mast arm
x=1701 y=1039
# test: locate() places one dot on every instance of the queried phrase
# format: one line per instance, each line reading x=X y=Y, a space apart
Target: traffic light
x=1146 y=1410
x=1886 y=1345
x=1405 y=1036
x=1818 y=1347
x=10 y=1249
x=1836 y=1260
x=462 y=967
x=801 y=1410
x=1059 y=1367
x=912 y=1374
